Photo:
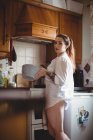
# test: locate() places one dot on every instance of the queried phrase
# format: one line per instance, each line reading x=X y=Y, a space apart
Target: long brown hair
x=69 y=47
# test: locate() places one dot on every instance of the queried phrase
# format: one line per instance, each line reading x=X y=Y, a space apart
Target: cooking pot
x=29 y=71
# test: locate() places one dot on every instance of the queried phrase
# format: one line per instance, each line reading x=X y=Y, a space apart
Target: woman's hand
x=42 y=72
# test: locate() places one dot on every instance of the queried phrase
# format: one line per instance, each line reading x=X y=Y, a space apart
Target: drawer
x=44 y=31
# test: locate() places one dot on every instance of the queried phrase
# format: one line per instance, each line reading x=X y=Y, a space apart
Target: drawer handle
x=42 y=30
x=46 y=31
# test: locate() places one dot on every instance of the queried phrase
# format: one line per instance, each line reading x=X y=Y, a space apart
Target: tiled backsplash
x=28 y=53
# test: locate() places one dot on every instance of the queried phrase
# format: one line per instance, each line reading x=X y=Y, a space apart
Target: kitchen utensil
x=20 y=81
x=29 y=71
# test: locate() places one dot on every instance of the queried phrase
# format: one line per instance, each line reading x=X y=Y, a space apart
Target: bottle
x=5 y=76
x=11 y=77
x=5 y=80
x=1 y=78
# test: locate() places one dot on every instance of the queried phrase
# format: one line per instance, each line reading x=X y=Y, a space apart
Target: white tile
x=14 y=64
x=19 y=48
x=3 y=62
x=20 y=61
x=19 y=70
x=21 y=51
x=29 y=51
x=36 y=51
x=29 y=60
x=36 y=61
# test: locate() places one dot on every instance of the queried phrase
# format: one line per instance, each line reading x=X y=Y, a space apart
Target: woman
x=59 y=85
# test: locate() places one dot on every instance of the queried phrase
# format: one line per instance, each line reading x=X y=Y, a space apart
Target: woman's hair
x=69 y=47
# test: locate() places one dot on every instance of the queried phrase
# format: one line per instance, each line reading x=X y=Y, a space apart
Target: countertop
x=88 y=89
x=22 y=93
x=81 y=89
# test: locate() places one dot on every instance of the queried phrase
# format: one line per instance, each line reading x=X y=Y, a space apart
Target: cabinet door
x=72 y=26
x=9 y=11
x=15 y=10
x=4 y=40
x=13 y=126
x=50 y=53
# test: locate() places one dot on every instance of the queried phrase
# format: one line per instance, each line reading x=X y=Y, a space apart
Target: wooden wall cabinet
x=9 y=11
x=65 y=22
x=4 y=34
x=15 y=10
x=37 y=22
x=38 y=14
x=72 y=26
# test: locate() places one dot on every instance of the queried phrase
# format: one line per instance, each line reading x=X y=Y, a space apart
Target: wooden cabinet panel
x=15 y=10
x=4 y=40
x=36 y=30
x=13 y=124
x=36 y=14
x=8 y=14
x=13 y=128
x=44 y=31
x=72 y=26
x=50 y=53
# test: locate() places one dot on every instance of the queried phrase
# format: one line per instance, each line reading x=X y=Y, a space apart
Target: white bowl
x=29 y=71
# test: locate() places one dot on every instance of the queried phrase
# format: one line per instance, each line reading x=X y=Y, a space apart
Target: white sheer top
x=63 y=86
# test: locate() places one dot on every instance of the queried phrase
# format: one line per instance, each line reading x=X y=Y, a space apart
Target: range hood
x=32 y=28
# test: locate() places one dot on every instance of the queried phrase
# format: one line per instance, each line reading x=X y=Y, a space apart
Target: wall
x=86 y=52
x=28 y=53
x=66 y=4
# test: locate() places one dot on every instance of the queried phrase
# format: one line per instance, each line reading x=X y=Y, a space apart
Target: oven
x=40 y=132
x=38 y=124
x=38 y=117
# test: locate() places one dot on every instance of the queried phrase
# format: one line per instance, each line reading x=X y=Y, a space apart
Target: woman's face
x=59 y=46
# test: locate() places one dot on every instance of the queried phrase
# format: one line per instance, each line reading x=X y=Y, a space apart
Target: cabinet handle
x=46 y=31
x=42 y=31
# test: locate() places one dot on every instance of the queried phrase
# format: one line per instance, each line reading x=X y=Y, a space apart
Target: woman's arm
x=51 y=75
x=43 y=72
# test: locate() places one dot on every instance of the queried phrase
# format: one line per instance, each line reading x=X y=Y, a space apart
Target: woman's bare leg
x=55 y=117
x=50 y=121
